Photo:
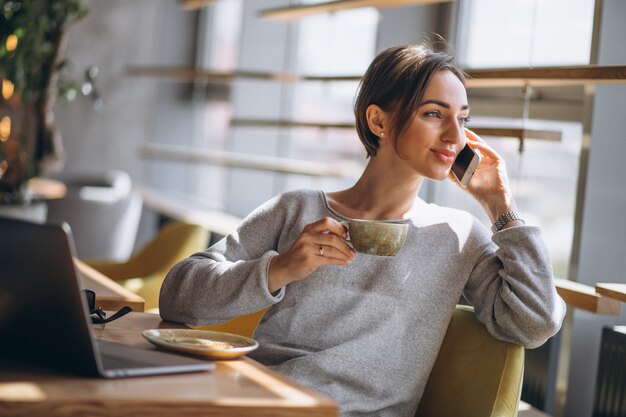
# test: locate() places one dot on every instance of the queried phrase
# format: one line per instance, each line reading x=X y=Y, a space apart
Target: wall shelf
x=546 y=76
x=288 y=124
x=249 y=161
x=479 y=78
x=517 y=132
x=194 y=4
x=300 y=11
x=189 y=74
x=512 y=132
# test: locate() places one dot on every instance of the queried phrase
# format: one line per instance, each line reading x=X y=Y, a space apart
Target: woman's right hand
x=320 y=243
x=490 y=183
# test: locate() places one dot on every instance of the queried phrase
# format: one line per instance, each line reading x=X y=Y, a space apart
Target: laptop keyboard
x=118 y=362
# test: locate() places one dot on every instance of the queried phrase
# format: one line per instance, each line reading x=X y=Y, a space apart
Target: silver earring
x=382 y=134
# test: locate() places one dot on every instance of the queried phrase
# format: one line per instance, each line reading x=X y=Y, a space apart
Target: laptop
x=44 y=319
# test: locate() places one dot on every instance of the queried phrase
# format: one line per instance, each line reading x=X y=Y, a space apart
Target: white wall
x=114 y=34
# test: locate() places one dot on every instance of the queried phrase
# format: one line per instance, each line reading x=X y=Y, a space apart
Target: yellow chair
x=145 y=271
x=243 y=325
x=474 y=374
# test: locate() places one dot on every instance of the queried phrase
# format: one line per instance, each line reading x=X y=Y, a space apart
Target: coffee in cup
x=375 y=237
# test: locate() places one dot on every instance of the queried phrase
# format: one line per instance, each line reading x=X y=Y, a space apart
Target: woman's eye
x=432 y=114
x=465 y=120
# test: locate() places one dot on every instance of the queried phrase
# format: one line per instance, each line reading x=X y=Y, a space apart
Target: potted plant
x=33 y=39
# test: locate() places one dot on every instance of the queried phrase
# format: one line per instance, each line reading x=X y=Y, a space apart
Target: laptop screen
x=42 y=312
x=44 y=317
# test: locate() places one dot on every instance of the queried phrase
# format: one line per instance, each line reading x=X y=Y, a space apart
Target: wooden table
x=235 y=388
x=109 y=294
x=612 y=290
x=587 y=298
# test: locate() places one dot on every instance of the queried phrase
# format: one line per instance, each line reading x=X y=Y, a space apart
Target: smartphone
x=465 y=165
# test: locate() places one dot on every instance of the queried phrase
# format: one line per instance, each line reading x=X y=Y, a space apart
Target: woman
x=366 y=330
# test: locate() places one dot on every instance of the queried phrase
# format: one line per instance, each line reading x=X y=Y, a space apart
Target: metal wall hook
x=88 y=88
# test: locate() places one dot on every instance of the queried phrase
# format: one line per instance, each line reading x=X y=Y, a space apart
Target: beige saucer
x=214 y=345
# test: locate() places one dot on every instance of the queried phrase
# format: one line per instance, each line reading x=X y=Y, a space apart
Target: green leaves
x=38 y=26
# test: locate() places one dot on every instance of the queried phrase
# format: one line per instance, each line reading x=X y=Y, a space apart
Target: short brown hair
x=396 y=81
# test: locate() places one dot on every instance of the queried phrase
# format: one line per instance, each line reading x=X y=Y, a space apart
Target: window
x=194 y=114
x=230 y=36
x=522 y=33
x=543 y=178
x=525 y=33
x=326 y=46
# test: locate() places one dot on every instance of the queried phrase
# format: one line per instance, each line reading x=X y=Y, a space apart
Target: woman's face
x=433 y=138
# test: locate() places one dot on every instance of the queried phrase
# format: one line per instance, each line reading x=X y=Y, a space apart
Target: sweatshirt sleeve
x=228 y=279
x=512 y=289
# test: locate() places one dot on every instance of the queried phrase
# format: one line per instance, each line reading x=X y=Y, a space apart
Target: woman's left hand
x=490 y=183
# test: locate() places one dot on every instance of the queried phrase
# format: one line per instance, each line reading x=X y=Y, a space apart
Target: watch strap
x=509 y=216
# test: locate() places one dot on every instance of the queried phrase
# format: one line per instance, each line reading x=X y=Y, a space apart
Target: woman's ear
x=377 y=120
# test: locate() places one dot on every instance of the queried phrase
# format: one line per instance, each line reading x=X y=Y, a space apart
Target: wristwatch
x=509 y=216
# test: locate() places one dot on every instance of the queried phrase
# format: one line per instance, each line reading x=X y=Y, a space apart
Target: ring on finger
x=321 y=250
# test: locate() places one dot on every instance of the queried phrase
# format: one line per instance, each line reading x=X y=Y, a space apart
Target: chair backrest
x=145 y=271
x=474 y=374
x=243 y=325
x=103 y=212
x=174 y=242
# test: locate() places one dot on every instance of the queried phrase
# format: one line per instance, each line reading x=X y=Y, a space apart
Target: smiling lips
x=444 y=155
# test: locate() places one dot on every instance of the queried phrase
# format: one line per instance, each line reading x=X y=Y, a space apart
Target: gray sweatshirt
x=367 y=334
